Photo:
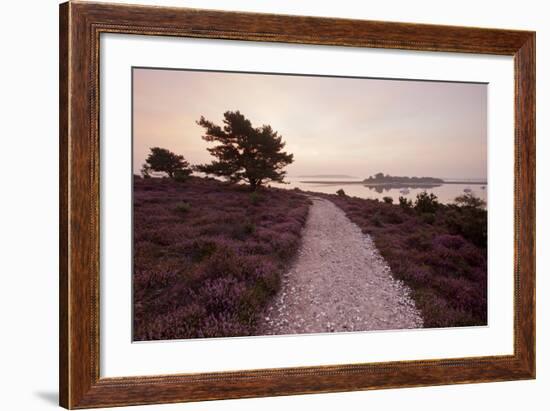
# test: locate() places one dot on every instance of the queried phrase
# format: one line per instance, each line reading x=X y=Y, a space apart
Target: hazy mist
x=332 y=125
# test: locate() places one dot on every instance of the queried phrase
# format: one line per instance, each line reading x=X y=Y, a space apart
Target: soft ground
x=339 y=282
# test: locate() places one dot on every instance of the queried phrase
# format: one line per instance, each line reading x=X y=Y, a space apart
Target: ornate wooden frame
x=80 y=27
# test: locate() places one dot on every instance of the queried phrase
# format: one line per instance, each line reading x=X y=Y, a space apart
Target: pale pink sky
x=331 y=125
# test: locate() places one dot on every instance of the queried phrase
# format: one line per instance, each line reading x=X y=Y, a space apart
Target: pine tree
x=163 y=160
x=245 y=153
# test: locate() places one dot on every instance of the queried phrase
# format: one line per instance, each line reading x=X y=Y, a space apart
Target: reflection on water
x=446 y=193
x=403 y=188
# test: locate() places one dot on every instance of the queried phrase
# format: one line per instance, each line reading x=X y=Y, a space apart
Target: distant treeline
x=386 y=178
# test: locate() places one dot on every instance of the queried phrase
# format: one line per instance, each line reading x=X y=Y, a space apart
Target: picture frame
x=80 y=383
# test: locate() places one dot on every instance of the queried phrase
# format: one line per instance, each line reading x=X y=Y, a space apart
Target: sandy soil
x=339 y=282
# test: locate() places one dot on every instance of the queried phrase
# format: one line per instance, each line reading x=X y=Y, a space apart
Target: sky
x=332 y=125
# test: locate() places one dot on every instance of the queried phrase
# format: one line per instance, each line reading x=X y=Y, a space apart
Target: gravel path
x=339 y=282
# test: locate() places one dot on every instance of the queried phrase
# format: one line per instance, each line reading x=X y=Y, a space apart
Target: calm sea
x=446 y=193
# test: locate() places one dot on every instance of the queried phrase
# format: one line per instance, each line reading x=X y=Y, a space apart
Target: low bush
x=469 y=200
x=426 y=203
x=243 y=230
x=405 y=204
x=428 y=217
x=182 y=175
x=420 y=241
x=454 y=242
x=387 y=200
x=183 y=207
x=392 y=216
x=376 y=220
x=468 y=218
x=255 y=197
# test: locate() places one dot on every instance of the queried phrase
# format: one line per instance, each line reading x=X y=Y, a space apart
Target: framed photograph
x=258 y=205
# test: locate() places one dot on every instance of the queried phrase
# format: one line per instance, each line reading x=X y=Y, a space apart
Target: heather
x=208 y=256
x=439 y=251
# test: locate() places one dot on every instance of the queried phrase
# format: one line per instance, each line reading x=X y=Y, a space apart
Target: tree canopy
x=245 y=153
x=163 y=160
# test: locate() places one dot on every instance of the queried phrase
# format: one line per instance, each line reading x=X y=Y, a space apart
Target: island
x=386 y=180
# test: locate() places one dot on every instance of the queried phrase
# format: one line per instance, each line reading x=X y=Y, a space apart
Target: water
x=446 y=193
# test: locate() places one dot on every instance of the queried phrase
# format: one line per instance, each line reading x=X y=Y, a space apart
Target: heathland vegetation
x=439 y=251
x=209 y=254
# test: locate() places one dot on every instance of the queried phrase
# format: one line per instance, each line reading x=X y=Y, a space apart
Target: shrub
x=454 y=242
x=426 y=203
x=201 y=248
x=419 y=241
x=266 y=284
x=376 y=221
x=183 y=207
x=243 y=230
x=146 y=171
x=469 y=222
x=163 y=160
x=285 y=245
x=428 y=218
x=341 y=193
x=404 y=203
x=224 y=262
x=392 y=217
x=388 y=200
x=249 y=227
x=255 y=198
x=469 y=200
x=182 y=175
